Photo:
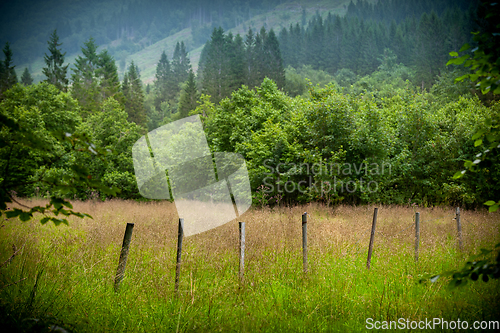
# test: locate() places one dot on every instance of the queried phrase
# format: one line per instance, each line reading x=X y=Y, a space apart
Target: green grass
x=69 y=272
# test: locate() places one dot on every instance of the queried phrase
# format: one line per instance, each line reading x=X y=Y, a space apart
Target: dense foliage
x=359 y=139
x=419 y=33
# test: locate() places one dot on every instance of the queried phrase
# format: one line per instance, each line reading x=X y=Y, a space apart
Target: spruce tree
x=180 y=65
x=237 y=67
x=95 y=78
x=109 y=84
x=26 y=78
x=8 y=76
x=430 y=54
x=54 y=70
x=189 y=96
x=134 y=97
x=274 y=61
x=163 y=83
x=250 y=59
x=215 y=67
x=85 y=87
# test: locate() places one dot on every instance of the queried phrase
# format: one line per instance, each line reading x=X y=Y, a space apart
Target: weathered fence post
x=242 y=249
x=459 y=229
x=179 y=252
x=417 y=234
x=304 y=241
x=372 y=238
x=122 y=262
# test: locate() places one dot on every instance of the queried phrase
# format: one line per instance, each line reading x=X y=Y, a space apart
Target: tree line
x=358 y=40
x=381 y=119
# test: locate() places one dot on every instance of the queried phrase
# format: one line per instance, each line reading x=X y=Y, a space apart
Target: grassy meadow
x=64 y=275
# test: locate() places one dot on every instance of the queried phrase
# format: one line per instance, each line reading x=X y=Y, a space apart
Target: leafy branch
x=79 y=176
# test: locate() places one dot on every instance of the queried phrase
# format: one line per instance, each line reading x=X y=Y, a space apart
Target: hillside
x=289 y=12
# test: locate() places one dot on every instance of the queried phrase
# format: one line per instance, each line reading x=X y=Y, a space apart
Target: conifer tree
x=236 y=54
x=95 y=78
x=85 y=87
x=8 y=76
x=189 y=96
x=163 y=83
x=180 y=65
x=250 y=59
x=274 y=64
x=54 y=69
x=26 y=78
x=215 y=67
x=134 y=97
x=109 y=84
x=429 y=52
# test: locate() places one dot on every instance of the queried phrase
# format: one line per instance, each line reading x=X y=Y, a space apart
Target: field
x=64 y=275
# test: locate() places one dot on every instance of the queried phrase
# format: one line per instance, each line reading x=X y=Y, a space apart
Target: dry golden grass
x=279 y=229
x=79 y=262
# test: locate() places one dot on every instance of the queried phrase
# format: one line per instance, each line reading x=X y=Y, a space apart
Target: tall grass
x=68 y=271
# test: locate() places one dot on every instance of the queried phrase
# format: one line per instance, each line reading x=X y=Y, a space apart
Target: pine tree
x=189 y=96
x=274 y=62
x=284 y=45
x=95 y=78
x=109 y=84
x=134 y=97
x=259 y=59
x=26 y=78
x=85 y=87
x=250 y=60
x=164 y=82
x=215 y=67
x=180 y=65
x=54 y=70
x=8 y=76
x=237 y=67
x=430 y=54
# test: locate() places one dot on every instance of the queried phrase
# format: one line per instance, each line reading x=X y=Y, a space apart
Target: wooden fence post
x=242 y=249
x=180 y=234
x=372 y=238
x=459 y=229
x=304 y=241
x=122 y=262
x=417 y=234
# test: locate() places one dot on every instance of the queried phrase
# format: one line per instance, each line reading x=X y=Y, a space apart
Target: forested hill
x=141 y=30
x=385 y=98
x=138 y=30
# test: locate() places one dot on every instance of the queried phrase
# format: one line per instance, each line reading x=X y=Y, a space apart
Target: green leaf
x=13 y=213
x=494 y=208
x=478 y=134
x=25 y=216
x=458 y=174
x=490 y=203
x=478 y=142
x=464 y=47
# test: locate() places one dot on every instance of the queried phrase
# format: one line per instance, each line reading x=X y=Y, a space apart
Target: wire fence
x=354 y=251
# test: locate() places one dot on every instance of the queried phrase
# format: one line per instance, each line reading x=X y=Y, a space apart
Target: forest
x=357 y=121
x=369 y=88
